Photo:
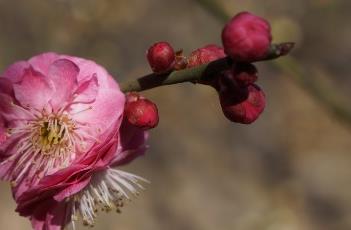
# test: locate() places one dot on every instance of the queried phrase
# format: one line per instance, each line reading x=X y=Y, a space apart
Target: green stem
x=198 y=73
x=186 y=75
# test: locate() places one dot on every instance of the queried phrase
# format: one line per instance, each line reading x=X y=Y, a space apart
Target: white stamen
x=48 y=142
x=105 y=192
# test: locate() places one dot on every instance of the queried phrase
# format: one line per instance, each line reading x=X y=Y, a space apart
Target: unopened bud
x=246 y=37
x=141 y=112
x=244 y=105
x=161 y=57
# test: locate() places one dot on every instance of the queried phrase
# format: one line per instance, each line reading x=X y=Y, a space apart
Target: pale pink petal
x=88 y=68
x=73 y=189
x=87 y=91
x=11 y=112
x=63 y=73
x=34 y=91
x=42 y=62
x=100 y=115
x=48 y=187
x=104 y=150
x=16 y=71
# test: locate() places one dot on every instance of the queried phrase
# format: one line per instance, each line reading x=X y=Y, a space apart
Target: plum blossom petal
x=87 y=91
x=87 y=67
x=16 y=71
x=6 y=86
x=63 y=73
x=103 y=107
x=11 y=112
x=34 y=90
x=42 y=62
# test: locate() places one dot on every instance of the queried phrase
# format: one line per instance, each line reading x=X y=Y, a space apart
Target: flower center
x=48 y=143
x=52 y=135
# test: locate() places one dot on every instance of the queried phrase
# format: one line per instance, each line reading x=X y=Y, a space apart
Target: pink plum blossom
x=62 y=135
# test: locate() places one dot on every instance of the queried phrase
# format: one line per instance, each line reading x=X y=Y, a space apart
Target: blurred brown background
x=288 y=171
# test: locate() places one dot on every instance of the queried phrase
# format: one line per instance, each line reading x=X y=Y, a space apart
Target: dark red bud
x=243 y=106
x=161 y=57
x=141 y=112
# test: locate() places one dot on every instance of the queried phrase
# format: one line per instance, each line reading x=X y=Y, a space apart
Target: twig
x=197 y=74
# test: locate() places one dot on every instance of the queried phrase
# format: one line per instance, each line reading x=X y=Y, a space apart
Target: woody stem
x=199 y=73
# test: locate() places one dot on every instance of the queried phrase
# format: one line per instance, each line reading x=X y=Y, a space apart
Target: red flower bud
x=205 y=55
x=161 y=57
x=141 y=112
x=246 y=37
x=244 y=105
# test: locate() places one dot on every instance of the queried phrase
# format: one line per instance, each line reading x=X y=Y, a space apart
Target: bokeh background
x=288 y=171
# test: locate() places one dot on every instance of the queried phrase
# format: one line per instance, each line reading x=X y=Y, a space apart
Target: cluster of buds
x=246 y=38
